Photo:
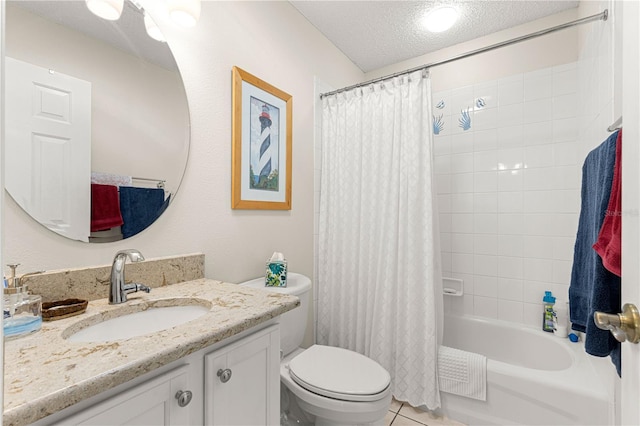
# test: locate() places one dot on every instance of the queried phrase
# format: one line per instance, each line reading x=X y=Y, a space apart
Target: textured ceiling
x=374 y=34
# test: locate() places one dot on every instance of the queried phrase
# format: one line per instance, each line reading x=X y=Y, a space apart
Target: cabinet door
x=151 y=403
x=242 y=381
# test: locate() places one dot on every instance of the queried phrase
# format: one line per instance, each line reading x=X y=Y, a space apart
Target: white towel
x=110 y=179
x=462 y=373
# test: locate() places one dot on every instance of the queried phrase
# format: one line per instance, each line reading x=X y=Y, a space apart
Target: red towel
x=105 y=207
x=609 y=243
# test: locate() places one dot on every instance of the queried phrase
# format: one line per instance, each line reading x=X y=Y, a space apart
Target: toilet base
x=291 y=414
x=307 y=408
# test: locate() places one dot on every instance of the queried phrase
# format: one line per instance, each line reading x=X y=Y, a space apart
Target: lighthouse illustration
x=264 y=146
x=264 y=163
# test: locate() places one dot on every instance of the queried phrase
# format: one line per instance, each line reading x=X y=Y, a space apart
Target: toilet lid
x=339 y=373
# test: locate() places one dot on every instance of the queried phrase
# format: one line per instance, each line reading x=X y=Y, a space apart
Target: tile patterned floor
x=402 y=414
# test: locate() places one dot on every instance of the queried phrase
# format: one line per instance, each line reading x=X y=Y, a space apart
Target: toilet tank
x=293 y=324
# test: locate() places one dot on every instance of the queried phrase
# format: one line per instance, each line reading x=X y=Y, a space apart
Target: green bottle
x=548 y=314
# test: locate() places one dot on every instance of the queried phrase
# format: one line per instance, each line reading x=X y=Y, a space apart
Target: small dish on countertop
x=60 y=309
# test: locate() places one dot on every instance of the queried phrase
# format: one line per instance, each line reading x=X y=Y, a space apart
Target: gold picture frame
x=261 y=147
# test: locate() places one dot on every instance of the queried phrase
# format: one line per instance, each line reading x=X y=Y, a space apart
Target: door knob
x=623 y=326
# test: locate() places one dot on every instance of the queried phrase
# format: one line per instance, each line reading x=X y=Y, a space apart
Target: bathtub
x=533 y=377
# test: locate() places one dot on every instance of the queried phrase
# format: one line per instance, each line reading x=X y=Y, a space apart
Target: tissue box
x=276 y=273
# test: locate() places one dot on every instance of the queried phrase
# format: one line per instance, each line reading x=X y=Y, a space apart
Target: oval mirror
x=96 y=119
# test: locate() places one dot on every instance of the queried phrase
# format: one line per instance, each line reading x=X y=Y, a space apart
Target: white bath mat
x=462 y=373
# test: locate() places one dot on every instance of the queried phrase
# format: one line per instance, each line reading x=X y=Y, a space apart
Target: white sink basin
x=146 y=319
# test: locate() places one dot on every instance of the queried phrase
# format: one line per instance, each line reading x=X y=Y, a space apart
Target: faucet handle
x=142 y=287
x=134 y=288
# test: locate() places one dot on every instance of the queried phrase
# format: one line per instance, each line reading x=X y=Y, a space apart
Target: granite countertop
x=45 y=373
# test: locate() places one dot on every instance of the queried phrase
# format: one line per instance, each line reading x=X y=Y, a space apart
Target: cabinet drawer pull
x=184 y=398
x=224 y=375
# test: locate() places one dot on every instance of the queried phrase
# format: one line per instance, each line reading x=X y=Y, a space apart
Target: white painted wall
x=137 y=111
x=274 y=42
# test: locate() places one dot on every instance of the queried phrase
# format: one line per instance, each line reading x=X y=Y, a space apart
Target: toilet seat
x=339 y=374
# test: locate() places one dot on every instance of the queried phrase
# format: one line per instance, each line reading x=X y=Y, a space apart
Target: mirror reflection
x=97 y=121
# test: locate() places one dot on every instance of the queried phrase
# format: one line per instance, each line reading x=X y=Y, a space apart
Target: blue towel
x=593 y=287
x=140 y=207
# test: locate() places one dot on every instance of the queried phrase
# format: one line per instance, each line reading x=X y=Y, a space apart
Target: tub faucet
x=118 y=289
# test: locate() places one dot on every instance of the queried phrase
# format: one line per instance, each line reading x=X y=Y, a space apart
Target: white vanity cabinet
x=248 y=395
x=242 y=382
x=151 y=403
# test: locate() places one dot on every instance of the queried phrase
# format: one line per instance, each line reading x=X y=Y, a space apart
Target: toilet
x=324 y=385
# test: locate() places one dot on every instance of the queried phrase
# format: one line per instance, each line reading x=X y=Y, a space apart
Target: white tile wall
x=597 y=81
x=509 y=231
x=512 y=192
x=509 y=188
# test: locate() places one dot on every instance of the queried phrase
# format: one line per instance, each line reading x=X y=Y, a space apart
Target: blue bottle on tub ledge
x=548 y=313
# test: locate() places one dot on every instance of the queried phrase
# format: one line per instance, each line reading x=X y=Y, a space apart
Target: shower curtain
x=379 y=280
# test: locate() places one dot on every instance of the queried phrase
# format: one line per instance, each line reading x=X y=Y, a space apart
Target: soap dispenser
x=22 y=311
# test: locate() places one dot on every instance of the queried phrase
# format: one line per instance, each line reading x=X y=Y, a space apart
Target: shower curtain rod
x=602 y=16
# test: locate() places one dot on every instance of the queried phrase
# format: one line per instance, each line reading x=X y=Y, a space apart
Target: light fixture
x=184 y=12
x=152 y=29
x=440 y=19
x=106 y=9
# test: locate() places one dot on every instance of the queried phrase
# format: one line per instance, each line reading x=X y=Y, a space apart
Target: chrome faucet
x=119 y=290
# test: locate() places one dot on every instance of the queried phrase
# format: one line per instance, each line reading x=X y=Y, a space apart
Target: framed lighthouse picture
x=261 y=151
